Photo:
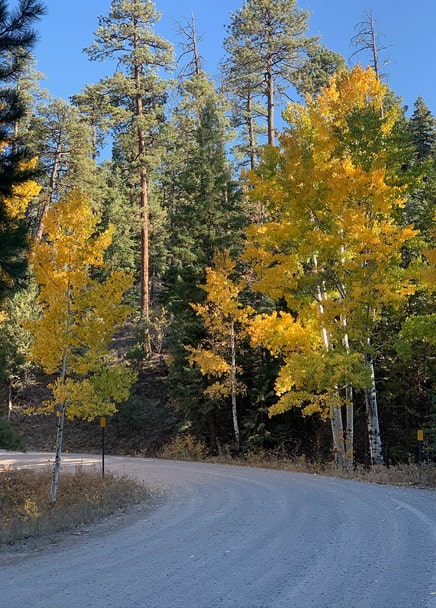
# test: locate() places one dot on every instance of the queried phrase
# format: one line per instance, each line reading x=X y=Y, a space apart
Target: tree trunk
x=251 y=138
x=349 y=433
x=39 y=230
x=59 y=437
x=57 y=467
x=9 y=401
x=375 y=446
x=270 y=90
x=145 y=272
x=233 y=388
x=338 y=436
x=145 y=239
x=335 y=410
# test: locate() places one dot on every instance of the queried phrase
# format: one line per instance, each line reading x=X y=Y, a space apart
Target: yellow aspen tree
x=332 y=247
x=225 y=319
x=78 y=319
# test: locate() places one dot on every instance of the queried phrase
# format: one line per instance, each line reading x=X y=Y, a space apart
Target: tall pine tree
x=17 y=36
x=137 y=90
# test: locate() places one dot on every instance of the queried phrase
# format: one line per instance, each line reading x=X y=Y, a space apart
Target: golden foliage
x=79 y=313
x=226 y=321
x=22 y=194
x=331 y=247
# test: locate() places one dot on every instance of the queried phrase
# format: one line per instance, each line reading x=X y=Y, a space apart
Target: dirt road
x=232 y=537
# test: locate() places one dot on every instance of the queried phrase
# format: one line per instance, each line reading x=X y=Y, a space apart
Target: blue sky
x=408 y=32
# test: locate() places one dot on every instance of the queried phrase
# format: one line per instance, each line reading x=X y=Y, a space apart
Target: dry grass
x=407 y=474
x=83 y=497
x=185 y=447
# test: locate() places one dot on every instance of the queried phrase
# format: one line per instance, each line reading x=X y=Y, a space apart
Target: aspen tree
x=332 y=249
x=225 y=320
x=78 y=319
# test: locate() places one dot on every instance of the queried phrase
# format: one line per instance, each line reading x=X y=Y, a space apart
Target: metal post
x=420 y=437
x=103 y=426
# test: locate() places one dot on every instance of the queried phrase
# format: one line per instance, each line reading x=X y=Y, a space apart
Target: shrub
x=9 y=438
x=184 y=447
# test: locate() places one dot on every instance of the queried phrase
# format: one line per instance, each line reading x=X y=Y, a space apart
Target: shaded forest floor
x=142 y=426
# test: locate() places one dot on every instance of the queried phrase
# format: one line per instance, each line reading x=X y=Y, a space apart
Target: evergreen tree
x=267 y=43
x=16 y=39
x=95 y=110
x=321 y=65
x=422 y=126
x=127 y=36
x=64 y=147
x=204 y=214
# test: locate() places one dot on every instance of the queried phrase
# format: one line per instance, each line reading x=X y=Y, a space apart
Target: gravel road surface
x=233 y=537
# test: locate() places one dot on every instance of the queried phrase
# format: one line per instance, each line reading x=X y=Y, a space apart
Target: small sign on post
x=420 y=437
x=102 y=426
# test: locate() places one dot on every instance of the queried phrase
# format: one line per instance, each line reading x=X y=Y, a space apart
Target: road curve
x=233 y=537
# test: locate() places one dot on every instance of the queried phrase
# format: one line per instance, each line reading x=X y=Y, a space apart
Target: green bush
x=9 y=438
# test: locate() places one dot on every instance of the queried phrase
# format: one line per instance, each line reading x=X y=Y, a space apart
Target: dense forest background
x=207 y=262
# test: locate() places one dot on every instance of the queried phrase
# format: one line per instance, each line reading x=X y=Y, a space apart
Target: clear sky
x=408 y=32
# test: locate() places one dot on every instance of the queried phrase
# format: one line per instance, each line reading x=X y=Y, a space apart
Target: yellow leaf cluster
x=79 y=313
x=22 y=194
x=93 y=396
x=226 y=320
x=331 y=247
x=210 y=363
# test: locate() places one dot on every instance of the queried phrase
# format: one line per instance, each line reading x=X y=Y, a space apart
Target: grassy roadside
x=408 y=474
x=83 y=497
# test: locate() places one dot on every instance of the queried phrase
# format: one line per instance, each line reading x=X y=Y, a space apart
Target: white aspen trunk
x=335 y=410
x=338 y=435
x=9 y=401
x=375 y=445
x=349 y=432
x=57 y=467
x=233 y=388
x=59 y=438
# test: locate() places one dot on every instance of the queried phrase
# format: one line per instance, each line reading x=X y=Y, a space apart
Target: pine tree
x=127 y=36
x=16 y=39
x=422 y=126
x=315 y=74
x=65 y=159
x=267 y=43
x=95 y=110
x=205 y=214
